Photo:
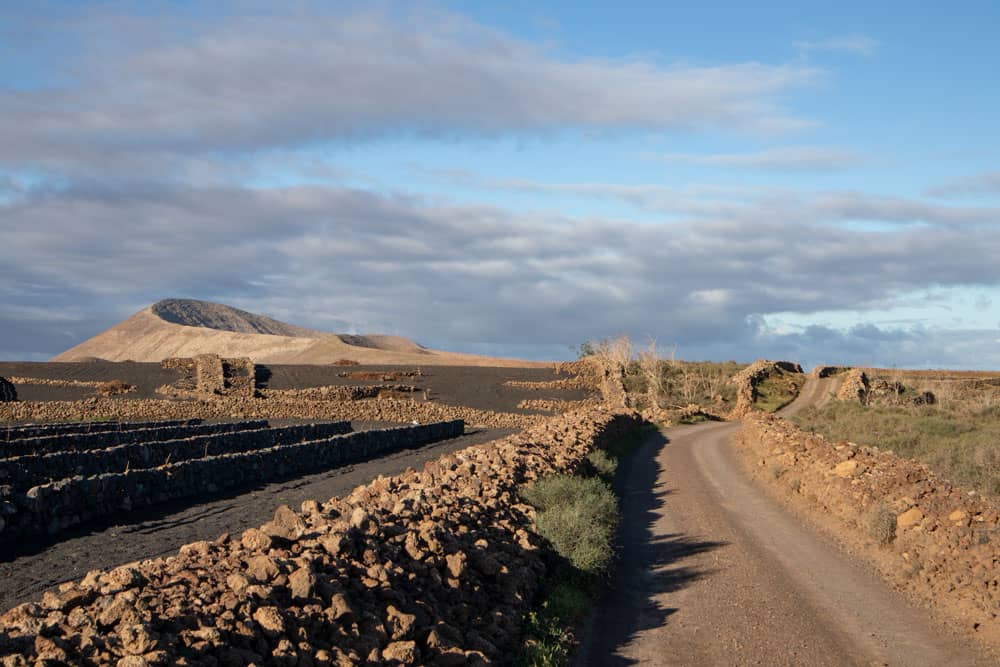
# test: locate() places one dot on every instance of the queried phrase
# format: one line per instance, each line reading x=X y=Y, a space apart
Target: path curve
x=715 y=572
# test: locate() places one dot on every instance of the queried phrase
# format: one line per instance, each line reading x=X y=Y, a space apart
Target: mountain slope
x=186 y=327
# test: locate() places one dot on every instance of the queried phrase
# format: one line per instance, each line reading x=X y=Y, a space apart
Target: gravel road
x=714 y=572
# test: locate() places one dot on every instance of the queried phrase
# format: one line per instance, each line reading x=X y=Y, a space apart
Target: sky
x=819 y=184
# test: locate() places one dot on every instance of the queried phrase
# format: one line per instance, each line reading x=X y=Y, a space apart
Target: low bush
x=605 y=466
x=578 y=516
x=113 y=388
x=882 y=524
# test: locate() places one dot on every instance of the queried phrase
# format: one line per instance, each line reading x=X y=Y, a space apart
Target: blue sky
x=813 y=183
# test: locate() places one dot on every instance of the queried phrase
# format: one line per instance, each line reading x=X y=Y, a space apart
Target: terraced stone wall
x=51 y=508
x=431 y=567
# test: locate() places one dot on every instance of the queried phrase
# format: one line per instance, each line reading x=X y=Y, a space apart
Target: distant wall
x=378 y=410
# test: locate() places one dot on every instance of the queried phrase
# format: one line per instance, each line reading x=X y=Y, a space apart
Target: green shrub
x=603 y=465
x=578 y=516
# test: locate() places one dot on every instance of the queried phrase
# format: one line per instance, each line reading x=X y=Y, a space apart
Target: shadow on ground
x=648 y=566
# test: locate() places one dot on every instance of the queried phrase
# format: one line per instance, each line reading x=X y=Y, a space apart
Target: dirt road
x=28 y=569
x=714 y=572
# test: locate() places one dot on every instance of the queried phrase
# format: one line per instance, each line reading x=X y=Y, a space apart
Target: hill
x=187 y=327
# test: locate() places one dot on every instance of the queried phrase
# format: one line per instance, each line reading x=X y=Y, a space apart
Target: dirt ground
x=28 y=568
x=472 y=386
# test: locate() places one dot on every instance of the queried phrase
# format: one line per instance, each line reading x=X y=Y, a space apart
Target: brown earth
x=187 y=328
x=714 y=571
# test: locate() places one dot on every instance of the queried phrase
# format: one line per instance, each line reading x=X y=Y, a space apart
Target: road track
x=713 y=571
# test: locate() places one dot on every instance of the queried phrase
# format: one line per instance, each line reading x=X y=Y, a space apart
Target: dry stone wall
x=854 y=387
x=376 y=410
x=433 y=567
x=937 y=541
x=105 y=439
x=8 y=393
x=210 y=374
x=23 y=472
x=338 y=392
x=12 y=433
x=51 y=508
x=746 y=382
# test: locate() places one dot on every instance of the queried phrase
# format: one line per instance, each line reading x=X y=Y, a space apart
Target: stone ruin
x=212 y=375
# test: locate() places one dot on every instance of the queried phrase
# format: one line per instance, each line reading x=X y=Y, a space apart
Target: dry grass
x=958 y=440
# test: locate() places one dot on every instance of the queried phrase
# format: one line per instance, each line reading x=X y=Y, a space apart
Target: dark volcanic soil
x=29 y=568
x=471 y=386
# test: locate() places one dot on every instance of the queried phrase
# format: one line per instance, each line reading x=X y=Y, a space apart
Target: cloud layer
x=125 y=177
x=478 y=273
x=287 y=79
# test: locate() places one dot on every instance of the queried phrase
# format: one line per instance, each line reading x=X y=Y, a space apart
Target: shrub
x=882 y=524
x=578 y=516
x=113 y=388
x=603 y=465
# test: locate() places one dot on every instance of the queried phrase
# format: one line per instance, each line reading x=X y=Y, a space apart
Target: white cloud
x=985 y=183
x=166 y=91
x=795 y=158
x=856 y=44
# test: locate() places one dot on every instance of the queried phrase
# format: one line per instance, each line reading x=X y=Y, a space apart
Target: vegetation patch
x=962 y=445
x=778 y=390
x=578 y=516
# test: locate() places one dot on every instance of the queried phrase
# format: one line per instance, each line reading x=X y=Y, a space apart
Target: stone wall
x=11 y=433
x=338 y=392
x=854 y=387
x=23 y=472
x=374 y=410
x=746 y=382
x=938 y=542
x=105 y=439
x=8 y=393
x=433 y=567
x=210 y=374
x=50 y=508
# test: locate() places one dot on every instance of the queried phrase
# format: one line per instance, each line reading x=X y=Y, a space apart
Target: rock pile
x=854 y=387
x=338 y=392
x=8 y=393
x=943 y=543
x=431 y=567
x=554 y=405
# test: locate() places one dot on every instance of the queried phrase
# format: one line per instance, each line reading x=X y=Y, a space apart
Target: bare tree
x=650 y=366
